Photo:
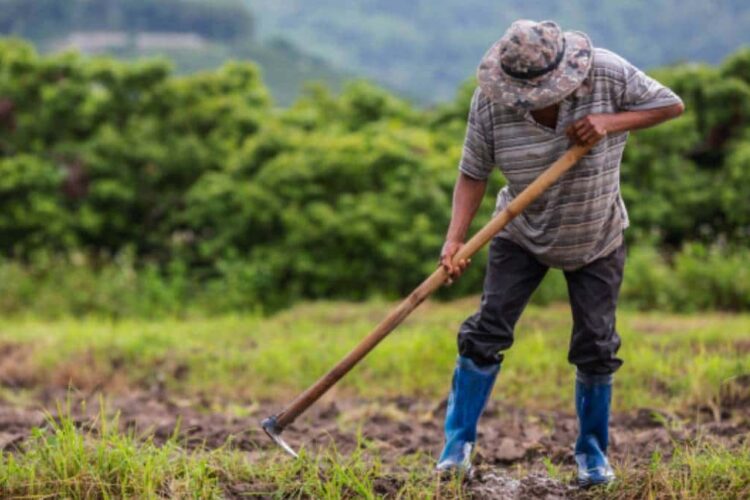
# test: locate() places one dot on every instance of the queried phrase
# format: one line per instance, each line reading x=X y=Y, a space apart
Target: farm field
x=182 y=253
x=170 y=408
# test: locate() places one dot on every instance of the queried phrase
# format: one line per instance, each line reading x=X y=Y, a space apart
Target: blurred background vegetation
x=422 y=48
x=425 y=48
x=132 y=188
x=193 y=34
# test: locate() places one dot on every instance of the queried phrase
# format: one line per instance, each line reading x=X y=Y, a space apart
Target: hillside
x=425 y=48
x=194 y=34
x=421 y=49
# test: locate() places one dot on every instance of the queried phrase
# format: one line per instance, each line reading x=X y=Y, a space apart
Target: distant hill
x=425 y=48
x=422 y=49
x=194 y=34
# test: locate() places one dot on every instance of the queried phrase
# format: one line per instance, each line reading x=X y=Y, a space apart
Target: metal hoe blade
x=272 y=429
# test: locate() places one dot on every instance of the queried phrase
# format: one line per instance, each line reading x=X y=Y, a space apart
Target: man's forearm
x=634 y=120
x=592 y=128
x=467 y=196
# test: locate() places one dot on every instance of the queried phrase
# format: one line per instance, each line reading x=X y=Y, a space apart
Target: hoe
x=274 y=425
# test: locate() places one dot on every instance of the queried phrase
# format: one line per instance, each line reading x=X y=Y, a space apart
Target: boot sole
x=590 y=484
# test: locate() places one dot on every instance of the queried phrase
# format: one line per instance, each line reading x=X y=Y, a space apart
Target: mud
x=514 y=443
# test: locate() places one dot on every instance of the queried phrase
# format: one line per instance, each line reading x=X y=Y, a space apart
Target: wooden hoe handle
x=428 y=286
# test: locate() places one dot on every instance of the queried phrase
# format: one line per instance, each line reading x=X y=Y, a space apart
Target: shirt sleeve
x=478 y=155
x=641 y=92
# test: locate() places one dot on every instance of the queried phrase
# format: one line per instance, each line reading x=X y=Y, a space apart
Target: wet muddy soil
x=514 y=444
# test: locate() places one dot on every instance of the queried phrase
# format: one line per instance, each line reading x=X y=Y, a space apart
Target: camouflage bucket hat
x=535 y=65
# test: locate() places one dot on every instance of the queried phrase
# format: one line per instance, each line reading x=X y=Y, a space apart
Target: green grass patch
x=696 y=471
x=64 y=461
x=671 y=361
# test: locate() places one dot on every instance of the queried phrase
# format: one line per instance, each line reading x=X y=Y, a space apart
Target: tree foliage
x=338 y=196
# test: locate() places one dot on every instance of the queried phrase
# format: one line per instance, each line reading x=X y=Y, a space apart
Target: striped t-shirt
x=582 y=216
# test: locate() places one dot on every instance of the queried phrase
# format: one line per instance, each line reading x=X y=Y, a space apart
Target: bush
x=697 y=278
x=169 y=187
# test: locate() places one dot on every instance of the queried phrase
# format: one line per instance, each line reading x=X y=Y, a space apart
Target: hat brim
x=541 y=91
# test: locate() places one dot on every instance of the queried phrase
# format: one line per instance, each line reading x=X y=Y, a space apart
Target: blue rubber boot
x=593 y=398
x=470 y=390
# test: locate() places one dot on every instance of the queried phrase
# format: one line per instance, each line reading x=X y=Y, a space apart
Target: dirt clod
x=510 y=439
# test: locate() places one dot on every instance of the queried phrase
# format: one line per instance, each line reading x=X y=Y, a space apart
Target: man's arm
x=477 y=162
x=467 y=196
x=591 y=128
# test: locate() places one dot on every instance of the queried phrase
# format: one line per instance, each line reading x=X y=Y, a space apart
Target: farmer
x=541 y=89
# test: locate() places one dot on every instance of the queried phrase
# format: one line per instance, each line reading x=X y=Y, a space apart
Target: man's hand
x=450 y=247
x=588 y=130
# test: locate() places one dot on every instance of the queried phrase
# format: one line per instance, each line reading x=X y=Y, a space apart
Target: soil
x=514 y=443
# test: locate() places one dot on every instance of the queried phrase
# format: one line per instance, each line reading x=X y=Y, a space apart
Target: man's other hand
x=446 y=260
x=588 y=130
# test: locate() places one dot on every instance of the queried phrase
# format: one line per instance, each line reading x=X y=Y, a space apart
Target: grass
x=64 y=461
x=696 y=471
x=673 y=363
x=67 y=462
x=670 y=361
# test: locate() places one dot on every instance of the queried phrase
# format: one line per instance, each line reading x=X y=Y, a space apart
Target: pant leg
x=593 y=291
x=512 y=276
